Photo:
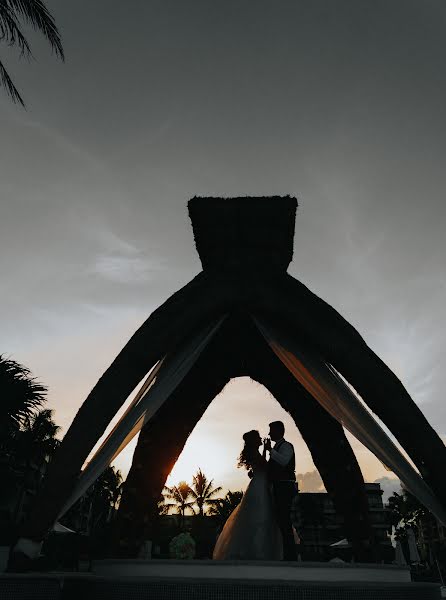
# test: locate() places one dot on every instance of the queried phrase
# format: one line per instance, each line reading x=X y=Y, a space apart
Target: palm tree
x=98 y=505
x=105 y=495
x=29 y=12
x=223 y=508
x=33 y=447
x=162 y=507
x=27 y=434
x=36 y=441
x=180 y=496
x=203 y=492
x=21 y=395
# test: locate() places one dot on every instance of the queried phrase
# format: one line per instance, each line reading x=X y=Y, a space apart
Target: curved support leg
x=160 y=443
x=199 y=301
x=341 y=345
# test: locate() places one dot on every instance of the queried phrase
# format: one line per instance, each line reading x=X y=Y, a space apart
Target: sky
x=339 y=103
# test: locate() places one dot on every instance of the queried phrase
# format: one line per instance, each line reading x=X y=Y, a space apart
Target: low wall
x=90 y=587
x=253 y=570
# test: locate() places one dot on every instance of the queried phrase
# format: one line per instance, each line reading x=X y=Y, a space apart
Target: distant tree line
x=198 y=499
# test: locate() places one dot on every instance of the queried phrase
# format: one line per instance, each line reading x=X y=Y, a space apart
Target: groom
x=281 y=472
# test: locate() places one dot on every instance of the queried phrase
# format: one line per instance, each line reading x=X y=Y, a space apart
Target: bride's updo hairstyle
x=250 y=450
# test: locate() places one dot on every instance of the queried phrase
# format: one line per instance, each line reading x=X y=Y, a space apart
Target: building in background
x=321 y=527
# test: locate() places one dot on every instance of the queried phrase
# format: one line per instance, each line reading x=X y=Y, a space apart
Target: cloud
x=388 y=486
x=310 y=481
x=122 y=262
x=59 y=141
x=125 y=269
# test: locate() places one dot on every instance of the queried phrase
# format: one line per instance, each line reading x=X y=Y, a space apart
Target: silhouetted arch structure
x=244 y=315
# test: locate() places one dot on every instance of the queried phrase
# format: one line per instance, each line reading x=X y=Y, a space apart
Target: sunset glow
x=216 y=441
x=201 y=452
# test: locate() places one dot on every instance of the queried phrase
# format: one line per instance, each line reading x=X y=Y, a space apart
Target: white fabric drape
x=157 y=388
x=323 y=382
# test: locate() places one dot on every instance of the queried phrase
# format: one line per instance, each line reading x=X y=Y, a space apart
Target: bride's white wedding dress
x=251 y=532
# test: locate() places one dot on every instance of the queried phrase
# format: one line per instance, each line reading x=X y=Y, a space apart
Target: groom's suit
x=281 y=472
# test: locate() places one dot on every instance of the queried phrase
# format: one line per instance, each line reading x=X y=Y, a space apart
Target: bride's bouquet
x=182 y=546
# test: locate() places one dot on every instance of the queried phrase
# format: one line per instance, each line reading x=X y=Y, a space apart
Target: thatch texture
x=245 y=232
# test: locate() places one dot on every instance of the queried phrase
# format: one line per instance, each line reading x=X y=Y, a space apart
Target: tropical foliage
x=106 y=493
x=13 y=15
x=182 y=546
x=27 y=441
x=179 y=498
x=36 y=441
x=406 y=512
x=163 y=506
x=203 y=492
x=195 y=498
x=21 y=396
x=224 y=507
x=97 y=507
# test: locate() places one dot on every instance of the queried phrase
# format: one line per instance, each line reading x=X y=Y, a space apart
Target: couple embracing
x=260 y=527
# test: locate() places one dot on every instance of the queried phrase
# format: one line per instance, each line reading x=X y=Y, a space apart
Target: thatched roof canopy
x=245 y=245
x=244 y=232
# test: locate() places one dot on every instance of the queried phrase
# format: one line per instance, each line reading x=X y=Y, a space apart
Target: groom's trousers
x=284 y=493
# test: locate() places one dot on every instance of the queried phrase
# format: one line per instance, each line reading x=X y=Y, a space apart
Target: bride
x=251 y=532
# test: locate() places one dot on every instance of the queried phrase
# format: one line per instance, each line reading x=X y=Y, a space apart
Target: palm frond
x=190 y=506
x=38 y=16
x=10 y=30
x=35 y=13
x=22 y=394
x=213 y=501
x=207 y=488
x=178 y=492
x=209 y=491
x=169 y=495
